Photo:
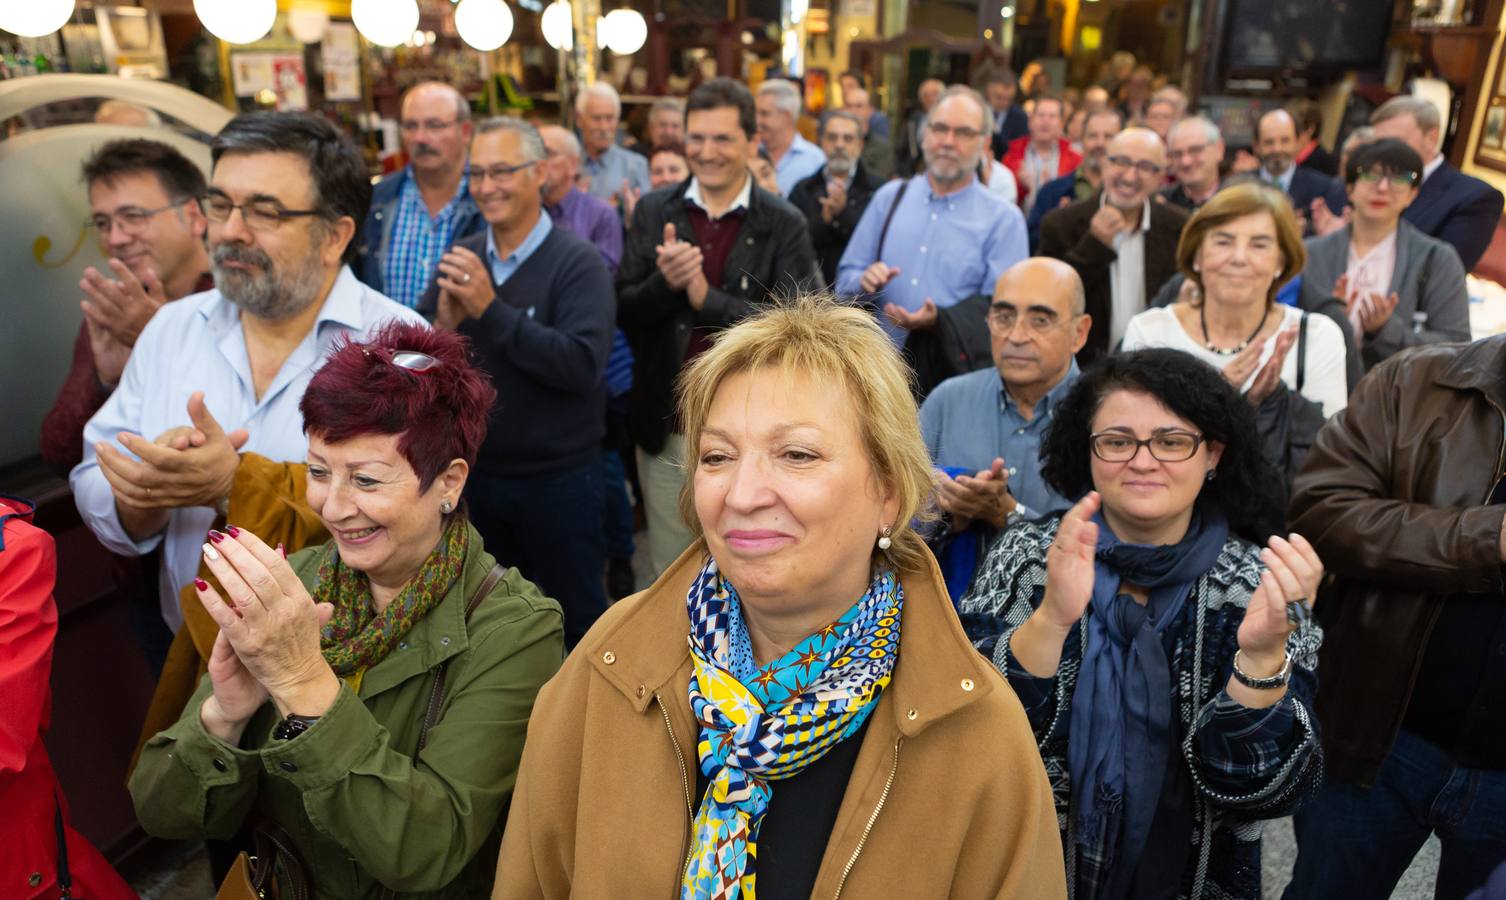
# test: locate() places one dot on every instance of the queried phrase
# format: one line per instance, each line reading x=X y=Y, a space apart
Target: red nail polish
x=233 y=531
x=281 y=550
x=215 y=536
x=201 y=584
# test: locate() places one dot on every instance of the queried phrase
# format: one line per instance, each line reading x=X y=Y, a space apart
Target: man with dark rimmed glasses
x=284 y=202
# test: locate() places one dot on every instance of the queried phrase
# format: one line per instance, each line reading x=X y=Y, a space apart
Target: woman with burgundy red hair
x=366 y=700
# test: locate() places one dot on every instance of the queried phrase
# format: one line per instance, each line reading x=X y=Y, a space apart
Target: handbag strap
x=1302 y=352
x=889 y=217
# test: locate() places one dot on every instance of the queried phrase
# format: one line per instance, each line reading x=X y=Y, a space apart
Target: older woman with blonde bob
x=1238 y=250
x=744 y=725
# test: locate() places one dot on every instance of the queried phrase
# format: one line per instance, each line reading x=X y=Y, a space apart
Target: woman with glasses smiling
x=366 y=699
x=1399 y=287
x=1164 y=659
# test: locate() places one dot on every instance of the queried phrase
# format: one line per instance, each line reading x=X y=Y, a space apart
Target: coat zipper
x=883 y=798
x=684 y=784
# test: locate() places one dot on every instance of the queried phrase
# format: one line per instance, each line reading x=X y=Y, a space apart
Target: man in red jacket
x=1045 y=154
x=29 y=792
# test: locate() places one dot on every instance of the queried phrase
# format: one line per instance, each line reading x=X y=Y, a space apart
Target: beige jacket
x=948 y=797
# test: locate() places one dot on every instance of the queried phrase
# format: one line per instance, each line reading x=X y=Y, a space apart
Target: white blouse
x=1325 y=381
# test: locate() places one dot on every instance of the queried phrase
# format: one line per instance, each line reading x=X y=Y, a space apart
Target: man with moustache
x=1195 y=148
x=286 y=196
x=834 y=198
x=878 y=156
x=700 y=256
x=1276 y=145
x=1122 y=245
x=931 y=241
x=419 y=210
x=536 y=302
x=610 y=173
x=1083 y=182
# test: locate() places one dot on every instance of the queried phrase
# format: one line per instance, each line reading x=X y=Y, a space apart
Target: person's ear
x=451 y=482
x=341 y=232
x=1215 y=453
x=1080 y=329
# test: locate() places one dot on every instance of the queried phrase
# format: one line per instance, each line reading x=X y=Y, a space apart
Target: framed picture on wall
x=1495 y=124
x=1490 y=147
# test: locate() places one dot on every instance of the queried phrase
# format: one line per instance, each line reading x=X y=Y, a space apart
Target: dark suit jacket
x=1016 y=124
x=1065 y=235
x=830 y=240
x=1459 y=209
x=1048 y=198
x=1308 y=185
x=1323 y=162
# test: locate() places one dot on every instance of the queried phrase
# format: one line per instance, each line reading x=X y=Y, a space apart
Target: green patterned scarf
x=357 y=636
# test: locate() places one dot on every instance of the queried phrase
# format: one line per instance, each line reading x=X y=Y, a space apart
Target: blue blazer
x=1049 y=197
x=1308 y=185
x=1458 y=209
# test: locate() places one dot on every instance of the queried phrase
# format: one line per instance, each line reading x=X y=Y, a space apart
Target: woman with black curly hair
x=1165 y=660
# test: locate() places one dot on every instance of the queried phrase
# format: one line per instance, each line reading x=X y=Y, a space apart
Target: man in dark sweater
x=833 y=199
x=538 y=306
x=700 y=256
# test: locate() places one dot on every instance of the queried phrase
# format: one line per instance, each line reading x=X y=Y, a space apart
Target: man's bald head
x=1276 y=141
x=1036 y=324
x=1133 y=166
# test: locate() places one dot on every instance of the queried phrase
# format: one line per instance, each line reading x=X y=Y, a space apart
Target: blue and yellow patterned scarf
x=760 y=725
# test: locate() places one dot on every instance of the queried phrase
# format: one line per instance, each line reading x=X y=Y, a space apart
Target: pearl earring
x=884 y=543
x=446 y=507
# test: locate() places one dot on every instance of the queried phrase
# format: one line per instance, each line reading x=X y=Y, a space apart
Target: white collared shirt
x=693 y=195
x=198 y=344
x=1127 y=275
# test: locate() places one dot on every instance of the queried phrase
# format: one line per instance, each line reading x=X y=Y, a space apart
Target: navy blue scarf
x=1121 y=726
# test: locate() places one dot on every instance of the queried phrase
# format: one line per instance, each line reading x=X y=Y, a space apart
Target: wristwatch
x=1263 y=684
x=293 y=726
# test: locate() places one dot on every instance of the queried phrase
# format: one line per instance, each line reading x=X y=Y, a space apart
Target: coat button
x=35 y=879
x=445 y=640
x=219 y=765
x=967 y=684
x=640 y=690
x=609 y=657
x=911 y=714
x=287 y=767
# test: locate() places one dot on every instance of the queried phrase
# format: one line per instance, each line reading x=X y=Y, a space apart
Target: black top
x=792 y=839
x=1458 y=702
x=830 y=240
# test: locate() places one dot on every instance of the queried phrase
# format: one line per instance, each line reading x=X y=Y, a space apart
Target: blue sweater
x=544 y=341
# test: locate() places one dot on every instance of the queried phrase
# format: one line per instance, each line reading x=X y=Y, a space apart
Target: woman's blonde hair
x=817 y=336
x=1236 y=202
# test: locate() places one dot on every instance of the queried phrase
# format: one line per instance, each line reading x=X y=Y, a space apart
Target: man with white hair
x=419 y=210
x=1451 y=206
x=666 y=124
x=1195 y=147
x=611 y=169
x=568 y=206
x=777 y=105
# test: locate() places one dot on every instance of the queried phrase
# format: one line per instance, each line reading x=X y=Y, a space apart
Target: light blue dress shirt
x=1282 y=181
x=801 y=161
x=946 y=248
x=969 y=420
x=611 y=169
x=197 y=344
x=502 y=269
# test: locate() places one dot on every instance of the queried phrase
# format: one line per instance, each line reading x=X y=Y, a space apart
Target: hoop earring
x=884 y=542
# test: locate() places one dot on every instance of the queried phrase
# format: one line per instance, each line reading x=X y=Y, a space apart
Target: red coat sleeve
x=79 y=399
x=28 y=626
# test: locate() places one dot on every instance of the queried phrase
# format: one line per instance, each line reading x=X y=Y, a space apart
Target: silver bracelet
x=1263 y=684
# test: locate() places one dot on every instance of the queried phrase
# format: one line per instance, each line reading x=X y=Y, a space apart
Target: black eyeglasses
x=1166 y=446
x=259 y=215
x=1144 y=166
x=943 y=131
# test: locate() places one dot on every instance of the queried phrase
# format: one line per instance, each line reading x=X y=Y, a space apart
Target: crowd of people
x=1146 y=456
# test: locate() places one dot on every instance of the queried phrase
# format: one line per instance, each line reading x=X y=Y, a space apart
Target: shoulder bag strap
x=889 y=217
x=1302 y=352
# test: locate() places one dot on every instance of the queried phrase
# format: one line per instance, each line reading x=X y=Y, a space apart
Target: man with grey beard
x=834 y=198
x=285 y=201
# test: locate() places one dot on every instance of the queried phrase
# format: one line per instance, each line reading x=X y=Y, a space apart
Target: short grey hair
x=533 y=142
x=1210 y=131
x=1424 y=112
x=602 y=90
x=572 y=143
x=671 y=104
x=987 y=112
x=786 y=95
x=839 y=114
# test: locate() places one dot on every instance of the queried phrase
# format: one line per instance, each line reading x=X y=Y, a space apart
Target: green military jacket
x=362 y=811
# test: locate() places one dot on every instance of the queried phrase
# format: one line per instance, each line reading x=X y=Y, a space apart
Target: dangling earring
x=1212 y=474
x=446 y=507
x=884 y=543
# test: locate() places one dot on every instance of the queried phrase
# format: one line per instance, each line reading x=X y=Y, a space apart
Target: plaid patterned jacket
x=1245 y=765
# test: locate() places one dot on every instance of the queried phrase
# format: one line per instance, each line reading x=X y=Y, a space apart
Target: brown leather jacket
x=1393 y=498
x=948 y=796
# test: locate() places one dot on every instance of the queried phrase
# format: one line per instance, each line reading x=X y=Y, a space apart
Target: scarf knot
x=761 y=724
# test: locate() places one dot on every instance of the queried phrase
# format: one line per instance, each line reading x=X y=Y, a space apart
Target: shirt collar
x=1283 y=181
x=1103 y=199
x=1052 y=398
x=410 y=188
x=741 y=201
x=1430 y=168
x=524 y=250
x=931 y=195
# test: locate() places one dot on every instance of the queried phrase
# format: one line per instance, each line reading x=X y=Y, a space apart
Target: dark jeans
x=1356 y=843
x=549 y=526
x=617 y=521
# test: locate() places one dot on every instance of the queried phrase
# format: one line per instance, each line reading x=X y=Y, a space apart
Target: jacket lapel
x=1406 y=253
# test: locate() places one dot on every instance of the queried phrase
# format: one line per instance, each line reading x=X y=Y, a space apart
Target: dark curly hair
x=1247 y=489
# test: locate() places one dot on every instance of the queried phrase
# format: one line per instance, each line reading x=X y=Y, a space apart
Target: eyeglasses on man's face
x=130 y=219
x=259 y=215
x=1143 y=166
x=1166 y=446
x=500 y=172
x=412 y=126
x=945 y=131
x=1035 y=321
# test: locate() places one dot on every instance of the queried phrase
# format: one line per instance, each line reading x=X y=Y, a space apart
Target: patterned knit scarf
x=759 y=725
x=357 y=636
